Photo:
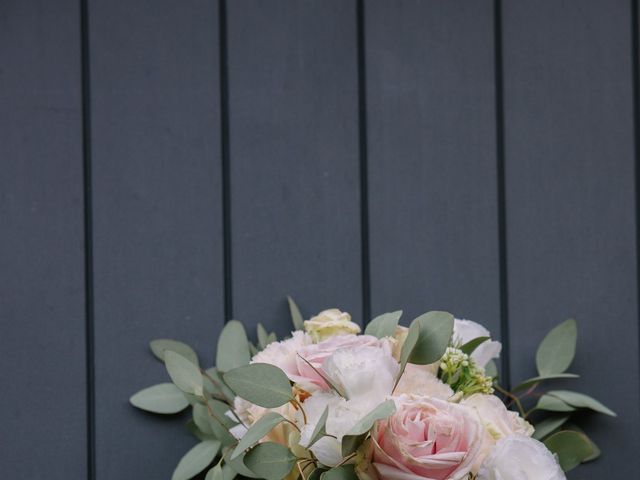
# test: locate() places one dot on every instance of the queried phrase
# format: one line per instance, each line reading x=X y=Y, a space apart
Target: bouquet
x=398 y=403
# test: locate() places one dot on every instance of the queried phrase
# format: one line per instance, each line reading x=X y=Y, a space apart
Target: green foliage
x=571 y=447
x=270 y=460
x=558 y=348
x=580 y=400
x=553 y=404
x=532 y=381
x=354 y=437
x=196 y=460
x=233 y=347
x=383 y=325
x=257 y=432
x=296 y=316
x=428 y=338
x=343 y=472
x=260 y=383
x=161 y=345
x=471 y=345
x=164 y=398
x=183 y=373
x=548 y=426
x=320 y=429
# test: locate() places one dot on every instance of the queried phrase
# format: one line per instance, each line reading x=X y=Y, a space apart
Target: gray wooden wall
x=167 y=165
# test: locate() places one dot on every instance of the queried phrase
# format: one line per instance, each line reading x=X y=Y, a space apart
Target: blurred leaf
x=553 y=404
x=272 y=338
x=491 y=369
x=317 y=474
x=257 y=432
x=270 y=461
x=216 y=386
x=321 y=428
x=596 y=450
x=354 y=437
x=233 y=347
x=471 y=345
x=549 y=425
x=215 y=473
x=219 y=422
x=428 y=338
x=343 y=472
x=196 y=460
x=580 y=400
x=238 y=466
x=558 y=348
x=161 y=345
x=262 y=336
x=196 y=432
x=571 y=447
x=164 y=398
x=260 y=383
x=296 y=316
x=201 y=419
x=532 y=381
x=183 y=373
x=384 y=325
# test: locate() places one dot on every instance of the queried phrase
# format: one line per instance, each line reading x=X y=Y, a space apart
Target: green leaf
x=215 y=473
x=354 y=437
x=239 y=467
x=257 y=432
x=558 y=348
x=471 y=345
x=580 y=400
x=549 y=425
x=219 y=422
x=321 y=428
x=383 y=325
x=296 y=316
x=262 y=336
x=272 y=337
x=183 y=373
x=216 y=386
x=553 y=404
x=270 y=461
x=233 y=347
x=343 y=472
x=201 y=419
x=164 y=398
x=491 y=369
x=260 y=383
x=161 y=345
x=571 y=447
x=196 y=432
x=196 y=460
x=596 y=450
x=428 y=338
x=317 y=474
x=531 y=381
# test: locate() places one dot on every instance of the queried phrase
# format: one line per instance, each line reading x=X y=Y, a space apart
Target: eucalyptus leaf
x=214 y=384
x=270 y=461
x=296 y=316
x=202 y=420
x=428 y=338
x=532 y=381
x=233 y=347
x=580 y=400
x=571 y=447
x=196 y=432
x=164 y=398
x=196 y=460
x=272 y=337
x=558 y=348
x=321 y=428
x=354 y=437
x=257 y=432
x=219 y=422
x=317 y=474
x=553 y=404
x=343 y=472
x=384 y=325
x=262 y=336
x=596 y=450
x=215 y=473
x=183 y=373
x=238 y=466
x=471 y=345
x=549 y=425
x=161 y=345
x=260 y=383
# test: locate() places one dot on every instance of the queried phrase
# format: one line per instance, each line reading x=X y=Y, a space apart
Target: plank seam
x=635 y=63
x=226 y=171
x=502 y=210
x=88 y=237
x=363 y=152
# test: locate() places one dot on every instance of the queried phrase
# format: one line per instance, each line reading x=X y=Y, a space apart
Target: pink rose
x=317 y=353
x=427 y=438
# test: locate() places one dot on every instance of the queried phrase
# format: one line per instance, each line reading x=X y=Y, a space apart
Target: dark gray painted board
x=294 y=158
x=42 y=307
x=570 y=203
x=157 y=214
x=432 y=159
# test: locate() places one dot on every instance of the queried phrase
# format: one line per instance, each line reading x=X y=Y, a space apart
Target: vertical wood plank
x=157 y=214
x=42 y=295
x=294 y=158
x=432 y=158
x=570 y=203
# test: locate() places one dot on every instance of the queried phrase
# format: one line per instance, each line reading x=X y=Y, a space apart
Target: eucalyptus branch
x=515 y=399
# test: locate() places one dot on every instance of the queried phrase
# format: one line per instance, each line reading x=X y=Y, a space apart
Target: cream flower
x=420 y=380
x=329 y=323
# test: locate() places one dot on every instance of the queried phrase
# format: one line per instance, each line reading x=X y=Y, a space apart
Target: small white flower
x=466 y=330
x=420 y=380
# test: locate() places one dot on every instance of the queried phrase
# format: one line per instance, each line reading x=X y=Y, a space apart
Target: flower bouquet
x=397 y=403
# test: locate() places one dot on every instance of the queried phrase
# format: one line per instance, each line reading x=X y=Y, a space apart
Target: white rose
x=466 y=330
x=520 y=457
x=420 y=380
x=329 y=323
x=368 y=373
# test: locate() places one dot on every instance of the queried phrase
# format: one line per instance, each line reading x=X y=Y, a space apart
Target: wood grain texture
x=571 y=221
x=432 y=159
x=157 y=215
x=294 y=158
x=42 y=288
